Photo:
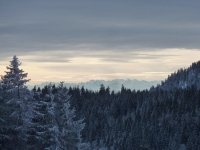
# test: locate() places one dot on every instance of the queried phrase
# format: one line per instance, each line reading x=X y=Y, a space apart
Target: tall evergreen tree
x=15 y=77
x=15 y=99
x=70 y=128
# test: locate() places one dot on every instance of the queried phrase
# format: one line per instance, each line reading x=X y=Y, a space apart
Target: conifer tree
x=15 y=77
x=53 y=125
x=16 y=98
x=70 y=129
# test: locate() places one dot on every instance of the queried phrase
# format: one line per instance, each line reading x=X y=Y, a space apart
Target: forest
x=164 y=117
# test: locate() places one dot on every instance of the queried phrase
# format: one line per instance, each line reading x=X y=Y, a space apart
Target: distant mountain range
x=113 y=84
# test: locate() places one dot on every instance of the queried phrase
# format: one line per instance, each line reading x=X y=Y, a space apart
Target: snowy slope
x=183 y=78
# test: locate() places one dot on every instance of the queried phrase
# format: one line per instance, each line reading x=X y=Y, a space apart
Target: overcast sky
x=79 y=40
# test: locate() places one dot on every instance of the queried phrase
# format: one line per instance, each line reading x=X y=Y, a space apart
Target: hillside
x=166 y=118
x=183 y=78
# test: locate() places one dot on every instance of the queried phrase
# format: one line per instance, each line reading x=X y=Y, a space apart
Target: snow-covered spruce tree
x=43 y=129
x=15 y=98
x=69 y=127
x=15 y=77
x=53 y=126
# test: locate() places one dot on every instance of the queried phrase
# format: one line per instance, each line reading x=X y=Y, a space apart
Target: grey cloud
x=115 y=60
x=129 y=57
x=104 y=56
x=55 y=60
x=70 y=25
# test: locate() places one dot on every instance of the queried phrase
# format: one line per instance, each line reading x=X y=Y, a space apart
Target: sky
x=80 y=40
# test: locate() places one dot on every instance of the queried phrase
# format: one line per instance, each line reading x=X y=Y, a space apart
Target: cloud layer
x=67 y=25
